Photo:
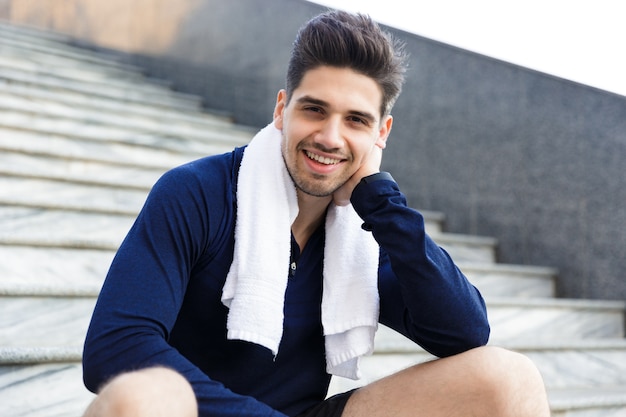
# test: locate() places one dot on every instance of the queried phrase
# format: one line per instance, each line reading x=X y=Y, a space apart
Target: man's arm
x=144 y=290
x=423 y=294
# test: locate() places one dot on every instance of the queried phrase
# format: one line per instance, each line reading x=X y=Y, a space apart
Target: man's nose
x=329 y=135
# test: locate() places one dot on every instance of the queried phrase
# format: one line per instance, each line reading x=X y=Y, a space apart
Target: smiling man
x=250 y=278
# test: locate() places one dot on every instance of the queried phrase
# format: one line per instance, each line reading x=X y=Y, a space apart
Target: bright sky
x=580 y=40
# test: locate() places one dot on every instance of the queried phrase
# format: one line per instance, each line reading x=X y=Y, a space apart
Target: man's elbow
x=472 y=336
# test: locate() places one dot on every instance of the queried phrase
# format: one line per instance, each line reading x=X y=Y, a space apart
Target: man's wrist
x=383 y=175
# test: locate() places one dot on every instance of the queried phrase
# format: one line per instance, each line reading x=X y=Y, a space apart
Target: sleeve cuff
x=378 y=176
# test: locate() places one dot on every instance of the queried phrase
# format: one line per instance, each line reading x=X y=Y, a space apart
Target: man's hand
x=341 y=197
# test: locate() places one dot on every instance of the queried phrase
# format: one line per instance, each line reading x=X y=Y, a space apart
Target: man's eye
x=358 y=120
x=313 y=109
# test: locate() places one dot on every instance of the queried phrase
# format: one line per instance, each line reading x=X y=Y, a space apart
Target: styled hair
x=344 y=40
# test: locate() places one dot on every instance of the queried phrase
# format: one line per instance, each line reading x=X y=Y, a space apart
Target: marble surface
x=551 y=319
x=57 y=45
x=156 y=96
x=586 y=402
x=45 y=149
x=581 y=367
x=496 y=280
x=44 y=321
x=12 y=55
x=96 y=103
x=79 y=171
x=467 y=248
x=51 y=194
x=57 y=271
x=187 y=132
x=41 y=227
x=97 y=132
x=46 y=390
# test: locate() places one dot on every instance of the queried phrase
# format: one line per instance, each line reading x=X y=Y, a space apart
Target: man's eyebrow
x=311 y=100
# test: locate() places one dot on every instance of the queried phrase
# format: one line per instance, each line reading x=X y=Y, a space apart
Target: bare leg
x=483 y=382
x=155 y=392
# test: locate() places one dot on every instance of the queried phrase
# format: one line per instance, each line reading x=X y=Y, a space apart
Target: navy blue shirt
x=160 y=303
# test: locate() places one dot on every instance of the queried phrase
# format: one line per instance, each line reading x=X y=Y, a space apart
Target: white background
x=583 y=41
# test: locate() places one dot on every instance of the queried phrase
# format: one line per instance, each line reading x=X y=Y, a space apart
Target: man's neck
x=311 y=215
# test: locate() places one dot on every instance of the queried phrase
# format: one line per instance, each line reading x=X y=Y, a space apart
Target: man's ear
x=385 y=130
x=279 y=109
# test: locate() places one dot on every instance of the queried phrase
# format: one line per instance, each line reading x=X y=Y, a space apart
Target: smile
x=322 y=159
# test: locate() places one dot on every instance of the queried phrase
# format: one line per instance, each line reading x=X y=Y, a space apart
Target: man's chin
x=317 y=191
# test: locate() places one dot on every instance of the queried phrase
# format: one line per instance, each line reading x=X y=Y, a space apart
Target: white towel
x=255 y=286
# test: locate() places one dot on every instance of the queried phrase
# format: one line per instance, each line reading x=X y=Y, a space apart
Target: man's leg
x=483 y=382
x=154 y=392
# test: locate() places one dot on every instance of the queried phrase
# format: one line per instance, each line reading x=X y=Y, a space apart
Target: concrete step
x=19 y=146
x=108 y=109
x=554 y=319
x=57 y=46
x=502 y=280
x=111 y=106
x=126 y=93
x=85 y=131
x=40 y=382
x=27 y=226
x=64 y=195
x=44 y=320
x=51 y=109
x=564 y=362
x=78 y=171
x=63 y=272
x=36 y=34
x=517 y=320
x=467 y=248
x=21 y=59
x=17 y=56
x=588 y=402
x=44 y=56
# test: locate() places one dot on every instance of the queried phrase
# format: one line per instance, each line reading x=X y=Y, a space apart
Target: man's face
x=329 y=127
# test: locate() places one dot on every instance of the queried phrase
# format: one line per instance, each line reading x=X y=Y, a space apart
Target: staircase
x=82 y=139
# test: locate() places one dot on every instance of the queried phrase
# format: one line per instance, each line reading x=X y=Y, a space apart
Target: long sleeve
x=141 y=299
x=423 y=294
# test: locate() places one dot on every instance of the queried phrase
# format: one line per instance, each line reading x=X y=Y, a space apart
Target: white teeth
x=322 y=159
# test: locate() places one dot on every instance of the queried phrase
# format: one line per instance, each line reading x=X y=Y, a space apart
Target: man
x=245 y=281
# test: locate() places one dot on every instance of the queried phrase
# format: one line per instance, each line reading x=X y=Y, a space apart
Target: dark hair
x=345 y=40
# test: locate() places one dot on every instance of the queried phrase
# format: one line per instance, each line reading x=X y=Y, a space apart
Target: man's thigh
x=482 y=382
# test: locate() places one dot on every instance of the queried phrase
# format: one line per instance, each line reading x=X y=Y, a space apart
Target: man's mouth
x=322 y=159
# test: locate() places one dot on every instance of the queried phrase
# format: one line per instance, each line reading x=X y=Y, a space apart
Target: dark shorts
x=330 y=407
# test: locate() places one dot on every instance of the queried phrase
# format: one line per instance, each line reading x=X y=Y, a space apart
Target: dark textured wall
x=503 y=151
x=535 y=161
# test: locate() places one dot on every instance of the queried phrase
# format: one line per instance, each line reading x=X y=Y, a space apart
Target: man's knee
x=497 y=365
x=510 y=378
x=148 y=392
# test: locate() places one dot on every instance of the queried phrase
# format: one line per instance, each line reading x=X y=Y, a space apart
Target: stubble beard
x=317 y=186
